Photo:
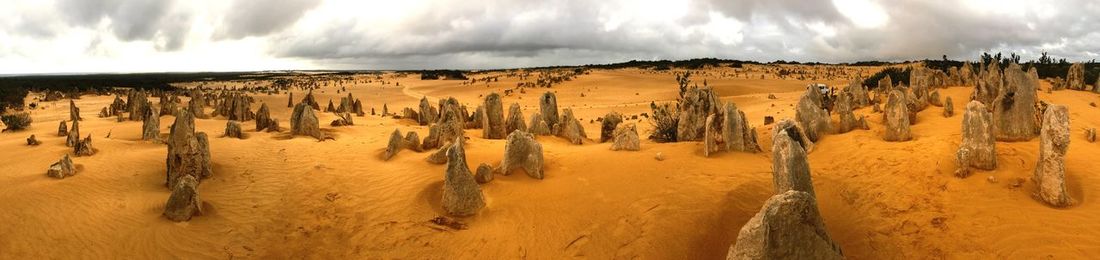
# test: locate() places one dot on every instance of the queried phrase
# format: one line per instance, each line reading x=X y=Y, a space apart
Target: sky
x=117 y=36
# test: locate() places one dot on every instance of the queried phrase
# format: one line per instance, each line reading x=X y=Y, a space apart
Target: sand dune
x=274 y=197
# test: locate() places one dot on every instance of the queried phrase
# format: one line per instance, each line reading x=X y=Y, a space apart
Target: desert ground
x=276 y=196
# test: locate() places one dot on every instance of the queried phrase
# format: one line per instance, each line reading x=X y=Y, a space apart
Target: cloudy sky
x=65 y=36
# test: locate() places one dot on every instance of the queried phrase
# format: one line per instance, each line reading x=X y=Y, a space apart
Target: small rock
x=61 y=169
x=660 y=156
x=484 y=173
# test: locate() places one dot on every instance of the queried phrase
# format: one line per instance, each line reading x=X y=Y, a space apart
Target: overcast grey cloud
x=375 y=34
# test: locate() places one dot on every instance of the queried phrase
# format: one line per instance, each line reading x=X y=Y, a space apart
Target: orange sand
x=299 y=198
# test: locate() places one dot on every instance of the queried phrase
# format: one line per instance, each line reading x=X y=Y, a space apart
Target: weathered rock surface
x=412 y=141
x=188 y=151
x=791 y=130
x=84 y=147
x=184 y=202
x=484 y=173
x=1090 y=135
x=493 y=124
x=538 y=126
x=74 y=112
x=695 y=106
x=790 y=168
x=514 y=121
x=897 y=118
x=1075 y=77
x=978 y=148
x=394 y=146
x=427 y=113
x=844 y=110
x=1014 y=111
x=304 y=122
x=789 y=226
x=73 y=137
x=571 y=128
x=461 y=194
x=150 y=127
x=548 y=108
x=948 y=107
x=811 y=116
x=61 y=169
x=33 y=141
x=625 y=138
x=608 y=125
x=1050 y=173
x=62 y=129
x=233 y=129
x=522 y=152
x=263 y=117
x=439 y=156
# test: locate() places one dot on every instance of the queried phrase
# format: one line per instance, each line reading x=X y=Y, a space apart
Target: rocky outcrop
x=934 y=99
x=61 y=169
x=514 y=122
x=395 y=145
x=844 y=111
x=461 y=194
x=695 y=106
x=439 y=156
x=522 y=152
x=310 y=101
x=73 y=136
x=538 y=126
x=195 y=108
x=712 y=136
x=150 y=127
x=1075 y=77
x=608 y=125
x=1014 y=111
x=896 y=116
x=449 y=127
x=343 y=119
x=412 y=141
x=84 y=147
x=33 y=141
x=427 y=113
x=263 y=117
x=74 y=112
x=791 y=130
x=493 y=124
x=1090 y=135
x=62 y=129
x=788 y=226
x=1050 y=173
x=233 y=129
x=790 y=168
x=571 y=127
x=858 y=93
x=625 y=138
x=136 y=102
x=948 y=107
x=978 y=148
x=184 y=202
x=304 y=122
x=548 y=108
x=188 y=151
x=484 y=173
x=811 y=116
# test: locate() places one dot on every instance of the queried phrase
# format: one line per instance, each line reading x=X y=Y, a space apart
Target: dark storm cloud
x=510 y=33
x=131 y=20
x=261 y=17
x=461 y=33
